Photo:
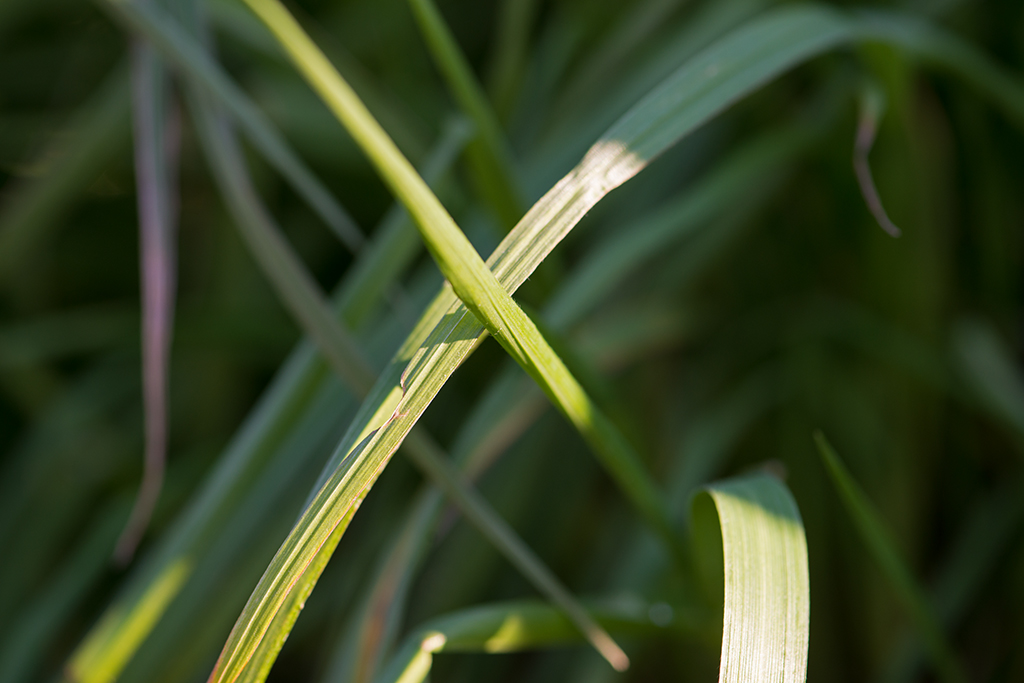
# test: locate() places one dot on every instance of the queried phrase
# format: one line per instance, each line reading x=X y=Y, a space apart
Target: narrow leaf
x=767 y=594
x=883 y=551
x=156 y=142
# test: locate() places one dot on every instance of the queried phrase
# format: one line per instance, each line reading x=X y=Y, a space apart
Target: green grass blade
x=503 y=627
x=303 y=298
x=188 y=56
x=767 y=592
x=883 y=550
x=278 y=260
x=469 y=276
x=726 y=71
x=114 y=640
x=489 y=153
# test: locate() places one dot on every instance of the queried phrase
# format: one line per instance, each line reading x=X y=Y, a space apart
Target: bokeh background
x=786 y=310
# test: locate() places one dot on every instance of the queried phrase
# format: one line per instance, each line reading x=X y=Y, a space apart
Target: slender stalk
x=343 y=354
x=489 y=153
x=469 y=276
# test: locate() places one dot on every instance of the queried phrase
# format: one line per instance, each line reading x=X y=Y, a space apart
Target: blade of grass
x=489 y=154
x=156 y=142
x=188 y=56
x=444 y=337
x=883 y=551
x=510 y=406
x=504 y=627
x=467 y=273
x=303 y=298
x=113 y=641
x=767 y=593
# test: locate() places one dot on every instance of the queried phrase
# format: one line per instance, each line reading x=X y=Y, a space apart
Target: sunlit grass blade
x=767 y=592
x=469 y=276
x=509 y=627
x=302 y=296
x=100 y=133
x=511 y=405
x=883 y=551
x=264 y=436
x=493 y=170
x=697 y=92
x=156 y=148
x=187 y=55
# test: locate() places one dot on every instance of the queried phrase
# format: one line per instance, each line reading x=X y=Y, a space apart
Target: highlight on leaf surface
x=758 y=547
x=700 y=318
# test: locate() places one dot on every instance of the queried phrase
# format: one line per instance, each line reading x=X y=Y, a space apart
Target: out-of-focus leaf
x=511 y=627
x=883 y=551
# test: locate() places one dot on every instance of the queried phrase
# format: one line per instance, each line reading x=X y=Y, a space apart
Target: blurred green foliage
x=781 y=309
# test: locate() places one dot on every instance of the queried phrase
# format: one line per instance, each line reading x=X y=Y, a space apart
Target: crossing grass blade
x=883 y=550
x=341 y=350
x=262 y=440
x=761 y=552
x=736 y=65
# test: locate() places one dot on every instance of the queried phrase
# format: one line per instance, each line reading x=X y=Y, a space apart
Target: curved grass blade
x=871 y=110
x=489 y=153
x=156 y=141
x=469 y=276
x=767 y=594
x=511 y=405
x=883 y=550
x=446 y=334
x=188 y=56
x=505 y=627
x=263 y=437
x=303 y=298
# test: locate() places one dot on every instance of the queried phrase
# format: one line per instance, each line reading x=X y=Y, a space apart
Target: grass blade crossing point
x=767 y=594
x=883 y=550
x=467 y=273
x=303 y=298
x=726 y=71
